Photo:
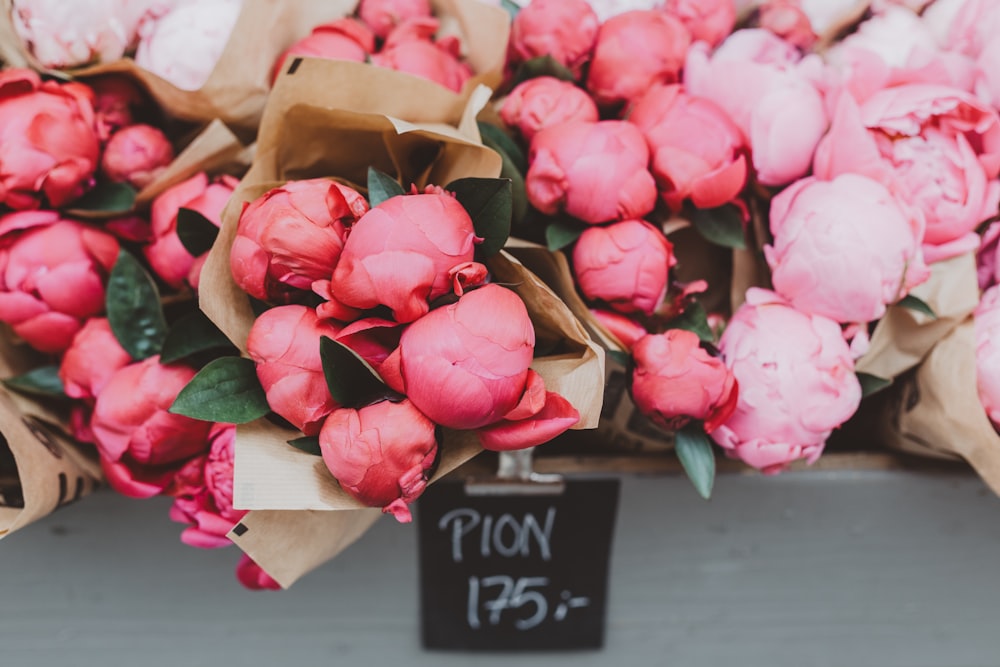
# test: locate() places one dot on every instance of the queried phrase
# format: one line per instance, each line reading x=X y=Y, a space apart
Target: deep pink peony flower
x=252 y=576
x=284 y=344
x=52 y=276
x=563 y=29
x=411 y=48
x=675 y=381
x=136 y=154
x=544 y=101
x=94 y=356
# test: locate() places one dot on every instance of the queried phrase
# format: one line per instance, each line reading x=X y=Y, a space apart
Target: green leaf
x=226 y=390
x=196 y=232
x=511 y=7
x=308 y=444
x=43 y=381
x=107 y=198
x=558 y=235
x=694 y=450
x=351 y=381
x=382 y=186
x=542 y=66
x=694 y=319
x=499 y=141
x=490 y=205
x=133 y=305
x=722 y=226
x=191 y=334
x=917 y=304
x=872 y=384
x=619 y=357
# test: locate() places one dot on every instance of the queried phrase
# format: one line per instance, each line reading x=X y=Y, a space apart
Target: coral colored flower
x=544 y=101
x=563 y=29
x=708 y=21
x=383 y=16
x=94 y=356
x=343 y=39
x=136 y=154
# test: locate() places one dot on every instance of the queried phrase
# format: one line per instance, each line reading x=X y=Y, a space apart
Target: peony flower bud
x=142 y=446
x=595 y=172
x=253 y=577
x=168 y=257
x=796 y=382
x=292 y=236
x=116 y=100
x=52 y=276
x=634 y=51
x=625 y=264
x=409 y=49
x=544 y=101
x=843 y=249
x=284 y=344
x=563 y=29
x=94 y=356
x=708 y=21
x=381 y=454
x=343 y=39
x=48 y=145
x=184 y=45
x=382 y=16
x=136 y=154
x=401 y=254
x=698 y=152
x=675 y=381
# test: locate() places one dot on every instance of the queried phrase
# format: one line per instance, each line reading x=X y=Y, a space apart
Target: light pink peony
x=480 y=349
x=698 y=153
x=382 y=16
x=544 y=101
x=796 y=383
x=595 y=172
x=563 y=29
x=184 y=45
x=284 y=345
x=203 y=493
x=674 y=381
x=381 y=454
x=987 y=320
x=401 y=254
x=169 y=258
x=343 y=39
x=292 y=236
x=787 y=20
x=624 y=264
x=935 y=147
x=94 y=356
x=48 y=144
x=52 y=276
x=708 y=21
x=63 y=35
x=770 y=92
x=142 y=446
x=136 y=155
x=843 y=249
x=634 y=51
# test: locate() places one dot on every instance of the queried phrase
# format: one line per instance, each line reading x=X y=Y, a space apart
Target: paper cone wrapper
x=903 y=337
x=237 y=88
x=936 y=410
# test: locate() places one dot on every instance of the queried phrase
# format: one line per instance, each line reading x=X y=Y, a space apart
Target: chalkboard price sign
x=515 y=572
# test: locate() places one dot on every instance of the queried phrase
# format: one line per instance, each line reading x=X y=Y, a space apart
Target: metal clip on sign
x=515 y=476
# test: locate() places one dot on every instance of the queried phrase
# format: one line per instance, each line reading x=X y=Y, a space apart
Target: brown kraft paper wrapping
x=312 y=129
x=936 y=411
x=238 y=87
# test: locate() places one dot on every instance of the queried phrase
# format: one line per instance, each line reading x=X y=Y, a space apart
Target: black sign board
x=515 y=571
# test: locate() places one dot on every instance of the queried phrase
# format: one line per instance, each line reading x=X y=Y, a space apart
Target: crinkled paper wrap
x=311 y=129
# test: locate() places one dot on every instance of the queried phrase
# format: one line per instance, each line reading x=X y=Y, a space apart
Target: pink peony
x=987 y=320
x=343 y=39
x=284 y=344
x=48 y=144
x=708 y=21
x=595 y=172
x=698 y=153
x=292 y=236
x=136 y=155
x=410 y=48
x=675 y=381
x=116 y=101
x=382 y=16
x=787 y=20
x=796 y=382
x=52 y=276
x=252 y=576
x=563 y=29
x=624 y=264
x=167 y=256
x=142 y=446
x=634 y=51
x=381 y=454
x=545 y=101
x=94 y=356
x=627 y=331
x=843 y=249
x=401 y=254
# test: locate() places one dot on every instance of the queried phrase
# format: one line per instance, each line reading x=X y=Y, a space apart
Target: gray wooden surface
x=809 y=569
